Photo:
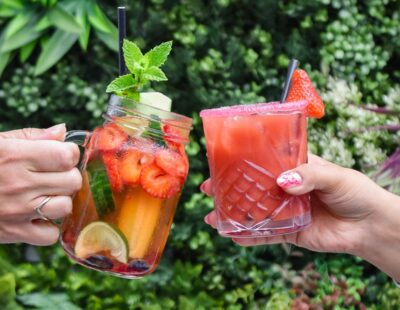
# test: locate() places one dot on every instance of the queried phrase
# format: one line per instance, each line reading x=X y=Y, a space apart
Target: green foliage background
x=225 y=52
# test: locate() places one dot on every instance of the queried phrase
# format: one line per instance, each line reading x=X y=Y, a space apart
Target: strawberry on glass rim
x=301 y=88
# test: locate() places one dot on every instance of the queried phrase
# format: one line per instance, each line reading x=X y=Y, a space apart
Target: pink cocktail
x=248 y=147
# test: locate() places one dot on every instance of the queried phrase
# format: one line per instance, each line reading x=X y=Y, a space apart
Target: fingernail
x=56 y=129
x=206 y=220
x=202 y=187
x=289 y=179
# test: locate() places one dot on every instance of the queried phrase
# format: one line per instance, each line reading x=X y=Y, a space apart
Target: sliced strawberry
x=157 y=183
x=302 y=89
x=90 y=150
x=111 y=164
x=129 y=167
x=172 y=163
x=172 y=136
x=110 y=137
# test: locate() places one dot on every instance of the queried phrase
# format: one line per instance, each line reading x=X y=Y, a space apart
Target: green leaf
x=58 y=45
x=64 y=20
x=132 y=55
x=84 y=23
x=154 y=74
x=4 y=58
x=48 y=301
x=22 y=37
x=17 y=23
x=98 y=20
x=111 y=40
x=121 y=83
x=43 y=23
x=43 y=41
x=159 y=54
x=6 y=11
x=7 y=292
x=15 y=4
x=26 y=51
x=154 y=130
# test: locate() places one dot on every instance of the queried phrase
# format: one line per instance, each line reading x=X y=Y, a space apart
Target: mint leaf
x=121 y=83
x=154 y=74
x=159 y=54
x=132 y=55
x=142 y=68
x=154 y=130
x=101 y=192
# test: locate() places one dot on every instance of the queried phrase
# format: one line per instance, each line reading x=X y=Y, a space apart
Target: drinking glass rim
x=274 y=107
x=151 y=113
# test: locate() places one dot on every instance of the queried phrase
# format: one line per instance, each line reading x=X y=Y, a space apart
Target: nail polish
x=202 y=186
x=289 y=179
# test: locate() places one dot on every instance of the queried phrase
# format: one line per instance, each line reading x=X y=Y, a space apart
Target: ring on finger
x=39 y=207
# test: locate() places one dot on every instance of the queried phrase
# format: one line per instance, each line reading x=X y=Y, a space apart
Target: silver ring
x=39 y=207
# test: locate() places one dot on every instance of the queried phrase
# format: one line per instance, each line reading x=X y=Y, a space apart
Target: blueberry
x=99 y=261
x=138 y=265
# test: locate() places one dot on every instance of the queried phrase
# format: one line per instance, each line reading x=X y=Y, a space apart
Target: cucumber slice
x=156 y=100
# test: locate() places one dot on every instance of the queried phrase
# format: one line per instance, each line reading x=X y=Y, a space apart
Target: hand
x=34 y=165
x=349 y=213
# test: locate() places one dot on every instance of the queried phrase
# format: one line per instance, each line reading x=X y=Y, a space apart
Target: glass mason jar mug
x=133 y=168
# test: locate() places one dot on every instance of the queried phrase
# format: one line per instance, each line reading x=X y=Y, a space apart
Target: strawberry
x=110 y=137
x=114 y=177
x=172 y=136
x=130 y=165
x=172 y=163
x=302 y=89
x=157 y=183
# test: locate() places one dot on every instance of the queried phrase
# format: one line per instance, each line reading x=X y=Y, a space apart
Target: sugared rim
x=256 y=108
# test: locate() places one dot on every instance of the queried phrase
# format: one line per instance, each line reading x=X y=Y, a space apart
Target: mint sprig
x=143 y=68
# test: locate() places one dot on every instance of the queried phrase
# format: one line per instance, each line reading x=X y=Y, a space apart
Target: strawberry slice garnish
x=110 y=137
x=302 y=89
x=158 y=183
x=172 y=136
x=130 y=165
x=172 y=163
x=114 y=177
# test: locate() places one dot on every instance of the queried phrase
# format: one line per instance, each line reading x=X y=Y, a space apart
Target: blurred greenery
x=225 y=52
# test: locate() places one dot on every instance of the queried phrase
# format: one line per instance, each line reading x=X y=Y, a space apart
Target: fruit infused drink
x=133 y=169
x=248 y=147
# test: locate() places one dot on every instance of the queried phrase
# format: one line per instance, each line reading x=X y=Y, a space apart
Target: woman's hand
x=33 y=166
x=350 y=213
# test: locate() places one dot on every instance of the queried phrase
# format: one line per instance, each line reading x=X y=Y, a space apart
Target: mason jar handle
x=79 y=137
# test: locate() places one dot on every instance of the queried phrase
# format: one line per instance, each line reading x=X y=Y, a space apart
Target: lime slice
x=100 y=236
x=156 y=100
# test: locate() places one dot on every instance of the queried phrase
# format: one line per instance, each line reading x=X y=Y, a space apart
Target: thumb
x=325 y=177
x=56 y=132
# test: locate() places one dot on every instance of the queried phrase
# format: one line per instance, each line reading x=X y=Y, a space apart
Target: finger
x=314 y=159
x=205 y=187
x=56 y=208
x=40 y=233
x=45 y=155
x=58 y=183
x=211 y=219
x=290 y=238
x=56 y=132
x=313 y=176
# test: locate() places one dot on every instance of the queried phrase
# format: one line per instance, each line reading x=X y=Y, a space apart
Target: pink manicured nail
x=206 y=220
x=289 y=179
x=202 y=188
